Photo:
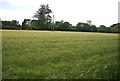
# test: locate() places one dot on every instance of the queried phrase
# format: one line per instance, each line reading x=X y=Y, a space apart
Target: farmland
x=59 y=55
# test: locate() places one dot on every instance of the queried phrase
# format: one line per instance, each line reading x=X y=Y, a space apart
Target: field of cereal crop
x=59 y=55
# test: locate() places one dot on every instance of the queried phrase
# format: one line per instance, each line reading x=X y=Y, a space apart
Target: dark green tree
x=43 y=16
x=80 y=26
x=102 y=28
x=61 y=25
x=14 y=24
x=115 y=28
x=93 y=28
x=83 y=26
x=26 y=24
x=86 y=27
x=73 y=28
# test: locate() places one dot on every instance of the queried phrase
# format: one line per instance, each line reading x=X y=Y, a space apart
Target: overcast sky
x=100 y=12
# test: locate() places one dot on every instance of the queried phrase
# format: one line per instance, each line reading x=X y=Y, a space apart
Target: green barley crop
x=59 y=55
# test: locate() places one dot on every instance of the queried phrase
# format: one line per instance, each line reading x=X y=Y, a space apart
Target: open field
x=59 y=55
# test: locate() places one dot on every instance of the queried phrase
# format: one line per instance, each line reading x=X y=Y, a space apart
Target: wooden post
x=53 y=22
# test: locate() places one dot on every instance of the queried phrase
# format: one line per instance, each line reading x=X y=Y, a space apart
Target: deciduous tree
x=43 y=16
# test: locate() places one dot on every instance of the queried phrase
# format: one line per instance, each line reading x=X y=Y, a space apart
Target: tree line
x=44 y=21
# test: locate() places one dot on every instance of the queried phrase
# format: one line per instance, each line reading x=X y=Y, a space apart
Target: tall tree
x=44 y=19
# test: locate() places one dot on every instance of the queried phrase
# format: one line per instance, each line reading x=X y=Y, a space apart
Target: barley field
x=59 y=55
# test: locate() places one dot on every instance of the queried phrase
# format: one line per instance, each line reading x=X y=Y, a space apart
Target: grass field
x=59 y=55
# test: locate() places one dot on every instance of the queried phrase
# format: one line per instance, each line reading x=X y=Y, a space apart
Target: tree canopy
x=43 y=16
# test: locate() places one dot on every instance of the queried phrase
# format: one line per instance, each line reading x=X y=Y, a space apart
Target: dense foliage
x=14 y=24
x=43 y=17
x=28 y=24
